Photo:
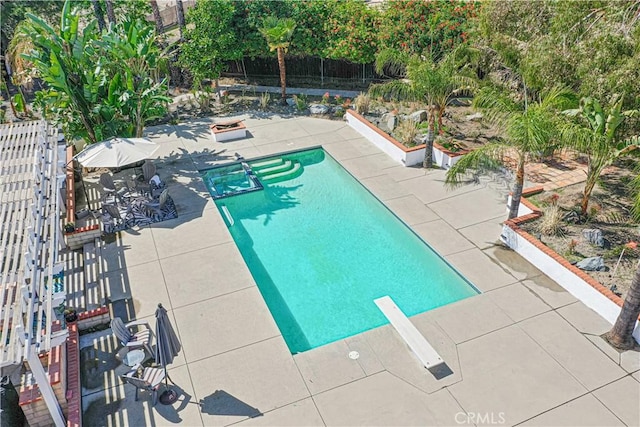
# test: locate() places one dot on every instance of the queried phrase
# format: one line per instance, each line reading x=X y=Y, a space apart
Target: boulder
x=291 y=102
x=595 y=263
x=418 y=116
x=338 y=109
x=392 y=122
x=594 y=236
x=318 y=109
x=572 y=217
x=474 y=117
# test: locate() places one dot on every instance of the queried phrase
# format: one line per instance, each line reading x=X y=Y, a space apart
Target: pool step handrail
x=409 y=333
x=228 y=215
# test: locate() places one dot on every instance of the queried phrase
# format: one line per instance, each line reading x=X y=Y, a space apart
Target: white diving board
x=414 y=339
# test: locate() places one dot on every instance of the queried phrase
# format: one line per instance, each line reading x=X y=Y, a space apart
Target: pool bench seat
x=414 y=339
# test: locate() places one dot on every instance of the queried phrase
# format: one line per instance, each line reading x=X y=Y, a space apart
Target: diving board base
x=427 y=355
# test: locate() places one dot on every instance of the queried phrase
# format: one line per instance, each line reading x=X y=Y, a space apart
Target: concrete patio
x=524 y=352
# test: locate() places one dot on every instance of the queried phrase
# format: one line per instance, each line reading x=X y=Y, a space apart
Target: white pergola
x=32 y=171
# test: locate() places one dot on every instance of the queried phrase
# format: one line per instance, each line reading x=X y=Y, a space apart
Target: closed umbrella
x=116 y=152
x=167 y=348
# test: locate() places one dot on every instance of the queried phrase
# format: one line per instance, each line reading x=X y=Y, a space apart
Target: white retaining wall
x=564 y=277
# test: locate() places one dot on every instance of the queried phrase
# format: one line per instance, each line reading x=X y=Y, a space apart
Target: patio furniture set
x=148 y=378
x=144 y=200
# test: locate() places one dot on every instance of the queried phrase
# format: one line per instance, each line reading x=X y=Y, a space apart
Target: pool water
x=321 y=248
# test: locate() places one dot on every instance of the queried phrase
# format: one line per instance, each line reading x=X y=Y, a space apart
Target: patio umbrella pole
x=84 y=190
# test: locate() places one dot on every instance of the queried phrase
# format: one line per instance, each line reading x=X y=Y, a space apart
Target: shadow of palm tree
x=222 y=403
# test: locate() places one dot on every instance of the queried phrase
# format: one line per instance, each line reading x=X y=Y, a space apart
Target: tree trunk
x=440 y=114
x=428 y=151
x=157 y=17
x=586 y=195
x=283 y=75
x=111 y=16
x=180 y=14
x=97 y=11
x=621 y=335
x=516 y=194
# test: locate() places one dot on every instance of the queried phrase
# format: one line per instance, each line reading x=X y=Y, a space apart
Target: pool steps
x=276 y=170
x=409 y=333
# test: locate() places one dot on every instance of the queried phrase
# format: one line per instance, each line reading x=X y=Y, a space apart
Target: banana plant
x=596 y=135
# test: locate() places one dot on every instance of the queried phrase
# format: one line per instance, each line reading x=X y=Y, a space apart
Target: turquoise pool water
x=321 y=248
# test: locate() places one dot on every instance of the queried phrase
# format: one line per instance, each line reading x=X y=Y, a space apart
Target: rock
x=594 y=236
x=595 y=263
x=572 y=217
x=474 y=117
x=418 y=116
x=318 y=109
x=338 y=109
x=291 y=102
x=392 y=122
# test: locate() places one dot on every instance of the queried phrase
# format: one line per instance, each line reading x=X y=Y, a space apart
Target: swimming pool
x=321 y=248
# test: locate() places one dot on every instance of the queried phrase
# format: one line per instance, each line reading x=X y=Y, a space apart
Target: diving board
x=414 y=339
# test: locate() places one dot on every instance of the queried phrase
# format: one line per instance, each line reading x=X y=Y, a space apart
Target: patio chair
x=140 y=339
x=154 y=209
x=118 y=222
x=149 y=380
x=109 y=188
x=148 y=170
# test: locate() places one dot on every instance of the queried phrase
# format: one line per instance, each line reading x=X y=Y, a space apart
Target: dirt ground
x=608 y=211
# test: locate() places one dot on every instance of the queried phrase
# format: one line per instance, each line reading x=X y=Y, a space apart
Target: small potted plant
x=69 y=227
x=70 y=315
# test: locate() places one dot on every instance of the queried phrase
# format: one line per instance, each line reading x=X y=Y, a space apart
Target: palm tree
x=157 y=18
x=528 y=129
x=597 y=136
x=278 y=32
x=436 y=83
x=21 y=68
x=111 y=16
x=180 y=14
x=97 y=11
x=621 y=335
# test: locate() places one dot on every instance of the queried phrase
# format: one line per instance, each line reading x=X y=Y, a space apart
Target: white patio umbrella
x=116 y=152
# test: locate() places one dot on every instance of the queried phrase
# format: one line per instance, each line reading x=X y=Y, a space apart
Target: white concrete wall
x=564 y=277
x=522 y=210
x=396 y=153
x=229 y=135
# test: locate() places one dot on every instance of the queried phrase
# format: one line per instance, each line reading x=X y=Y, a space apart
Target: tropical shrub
x=426 y=27
x=353 y=27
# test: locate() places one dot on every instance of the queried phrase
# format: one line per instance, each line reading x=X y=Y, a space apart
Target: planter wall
x=78 y=238
x=577 y=282
x=221 y=132
x=398 y=152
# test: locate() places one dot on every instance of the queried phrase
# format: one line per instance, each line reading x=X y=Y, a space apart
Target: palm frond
x=395 y=90
x=392 y=58
x=486 y=158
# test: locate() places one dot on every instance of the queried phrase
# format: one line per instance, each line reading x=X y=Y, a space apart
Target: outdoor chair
x=148 y=170
x=154 y=209
x=147 y=379
x=109 y=188
x=115 y=218
x=131 y=340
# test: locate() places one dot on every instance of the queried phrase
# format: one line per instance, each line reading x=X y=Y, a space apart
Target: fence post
x=322 y=71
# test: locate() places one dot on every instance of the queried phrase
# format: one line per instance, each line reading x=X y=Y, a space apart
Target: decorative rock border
x=578 y=283
x=398 y=152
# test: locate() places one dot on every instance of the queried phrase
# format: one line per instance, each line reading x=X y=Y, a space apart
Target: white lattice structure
x=31 y=175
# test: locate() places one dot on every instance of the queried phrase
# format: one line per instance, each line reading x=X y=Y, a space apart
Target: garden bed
x=609 y=212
